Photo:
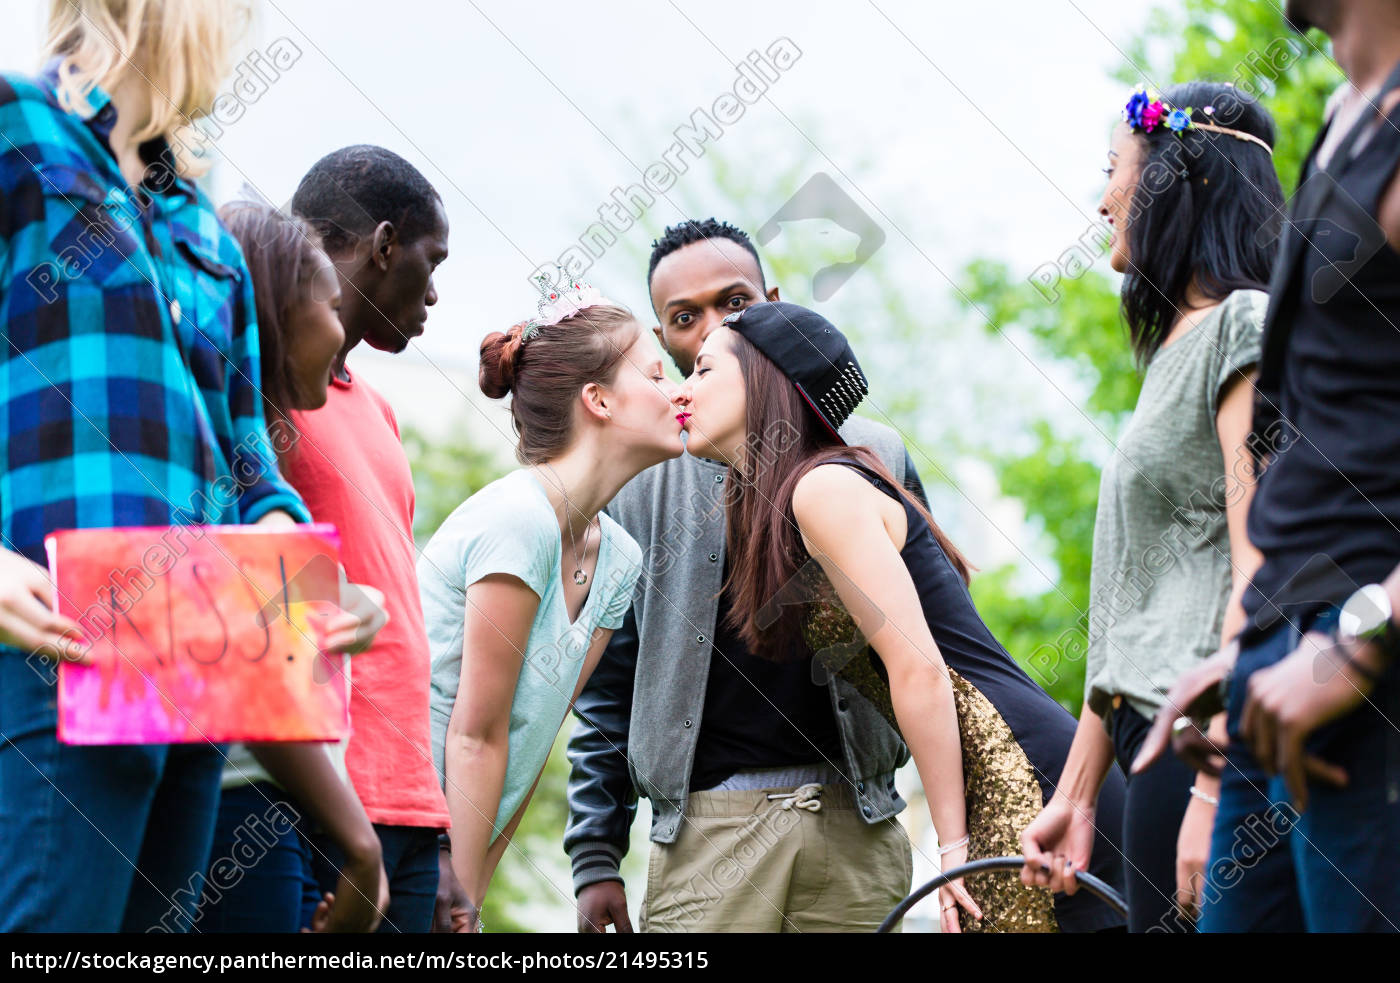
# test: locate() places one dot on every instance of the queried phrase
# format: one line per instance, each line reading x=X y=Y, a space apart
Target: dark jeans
x=96 y=839
x=260 y=874
x=1155 y=805
x=411 y=864
x=1335 y=867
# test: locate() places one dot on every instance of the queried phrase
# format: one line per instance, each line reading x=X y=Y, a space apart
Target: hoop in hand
x=1086 y=880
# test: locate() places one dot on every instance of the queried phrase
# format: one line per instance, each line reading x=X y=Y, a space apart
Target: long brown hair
x=544 y=375
x=283 y=256
x=763 y=541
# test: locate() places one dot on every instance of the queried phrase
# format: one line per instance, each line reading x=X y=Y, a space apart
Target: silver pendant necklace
x=580 y=577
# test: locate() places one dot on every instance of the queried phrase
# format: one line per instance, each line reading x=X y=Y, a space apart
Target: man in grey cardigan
x=773 y=796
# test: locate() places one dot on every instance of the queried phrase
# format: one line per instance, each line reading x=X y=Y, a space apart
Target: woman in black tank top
x=816 y=530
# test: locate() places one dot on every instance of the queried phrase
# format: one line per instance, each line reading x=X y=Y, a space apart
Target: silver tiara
x=559 y=299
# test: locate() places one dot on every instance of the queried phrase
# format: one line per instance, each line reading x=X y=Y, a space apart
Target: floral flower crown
x=559 y=303
x=1145 y=112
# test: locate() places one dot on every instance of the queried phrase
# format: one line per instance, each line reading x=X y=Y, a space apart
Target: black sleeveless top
x=1041 y=726
x=759 y=713
x=1326 y=511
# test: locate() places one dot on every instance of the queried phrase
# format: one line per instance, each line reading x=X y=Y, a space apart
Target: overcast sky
x=960 y=127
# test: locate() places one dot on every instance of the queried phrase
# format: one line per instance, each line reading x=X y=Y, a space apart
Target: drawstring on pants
x=803 y=797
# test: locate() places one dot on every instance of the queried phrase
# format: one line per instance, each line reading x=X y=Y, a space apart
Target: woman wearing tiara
x=525 y=582
x=1193 y=201
x=817 y=530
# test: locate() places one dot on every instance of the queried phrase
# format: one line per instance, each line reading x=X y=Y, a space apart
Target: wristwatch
x=1367 y=617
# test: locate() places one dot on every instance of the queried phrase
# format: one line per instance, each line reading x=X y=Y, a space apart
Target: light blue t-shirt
x=510 y=527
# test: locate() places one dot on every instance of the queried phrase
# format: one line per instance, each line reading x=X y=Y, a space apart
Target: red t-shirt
x=350 y=468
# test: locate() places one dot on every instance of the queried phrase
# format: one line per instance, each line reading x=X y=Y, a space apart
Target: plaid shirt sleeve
x=114 y=411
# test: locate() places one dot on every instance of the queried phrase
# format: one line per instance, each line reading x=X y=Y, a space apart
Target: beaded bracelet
x=1204 y=797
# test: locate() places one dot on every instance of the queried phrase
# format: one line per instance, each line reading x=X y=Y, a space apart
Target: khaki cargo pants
x=778 y=860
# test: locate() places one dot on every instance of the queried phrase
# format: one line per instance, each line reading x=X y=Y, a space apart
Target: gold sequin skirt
x=1001 y=791
x=1003 y=796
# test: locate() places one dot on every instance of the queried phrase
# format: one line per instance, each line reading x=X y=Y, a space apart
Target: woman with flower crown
x=1193 y=202
x=526 y=580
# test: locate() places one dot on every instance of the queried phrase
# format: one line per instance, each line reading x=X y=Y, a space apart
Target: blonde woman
x=128 y=397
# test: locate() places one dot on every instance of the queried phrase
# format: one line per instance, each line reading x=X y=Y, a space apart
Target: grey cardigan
x=639 y=716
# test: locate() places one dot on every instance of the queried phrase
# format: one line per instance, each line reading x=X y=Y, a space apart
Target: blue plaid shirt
x=129 y=374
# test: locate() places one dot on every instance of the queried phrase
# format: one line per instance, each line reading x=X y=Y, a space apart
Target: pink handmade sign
x=200 y=633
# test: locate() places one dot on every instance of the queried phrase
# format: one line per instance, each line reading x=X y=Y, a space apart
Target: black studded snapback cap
x=809 y=350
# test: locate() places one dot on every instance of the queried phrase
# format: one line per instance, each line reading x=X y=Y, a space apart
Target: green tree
x=445 y=474
x=1239 y=41
x=1247 y=43
x=534 y=872
x=1056 y=481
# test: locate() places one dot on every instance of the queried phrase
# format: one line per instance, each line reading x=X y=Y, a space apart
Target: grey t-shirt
x=1160 y=577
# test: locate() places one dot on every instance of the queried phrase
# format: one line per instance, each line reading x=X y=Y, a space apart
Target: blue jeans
x=96 y=839
x=410 y=863
x=260 y=875
x=1332 y=869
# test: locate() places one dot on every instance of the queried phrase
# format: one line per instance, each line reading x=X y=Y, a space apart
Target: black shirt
x=759 y=713
x=1043 y=729
x=1326 y=512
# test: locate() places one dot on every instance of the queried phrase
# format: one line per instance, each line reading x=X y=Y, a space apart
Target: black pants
x=411 y=864
x=1156 y=803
